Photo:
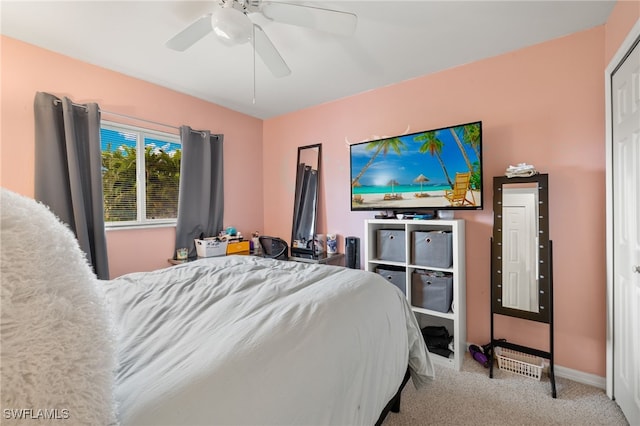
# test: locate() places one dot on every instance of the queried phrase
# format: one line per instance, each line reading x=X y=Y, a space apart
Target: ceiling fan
x=231 y=23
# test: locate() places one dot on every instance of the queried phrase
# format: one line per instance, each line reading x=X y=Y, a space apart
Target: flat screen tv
x=439 y=169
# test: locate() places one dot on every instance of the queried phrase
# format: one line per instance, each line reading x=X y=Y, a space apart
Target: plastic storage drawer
x=432 y=249
x=391 y=245
x=395 y=277
x=432 y=292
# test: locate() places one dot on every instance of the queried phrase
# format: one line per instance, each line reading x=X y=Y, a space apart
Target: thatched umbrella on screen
x=392 y=196
x=422 y=179
x=393 y=182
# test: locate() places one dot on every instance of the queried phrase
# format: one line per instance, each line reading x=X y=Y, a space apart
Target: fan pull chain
x=253 y=28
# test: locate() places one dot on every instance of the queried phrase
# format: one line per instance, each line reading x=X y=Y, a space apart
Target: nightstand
x=180 y=262
x=336 y=259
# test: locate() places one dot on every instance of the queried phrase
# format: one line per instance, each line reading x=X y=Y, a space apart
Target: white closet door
x=625 y=94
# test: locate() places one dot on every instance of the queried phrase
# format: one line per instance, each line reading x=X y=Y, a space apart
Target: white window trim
x=141 y=133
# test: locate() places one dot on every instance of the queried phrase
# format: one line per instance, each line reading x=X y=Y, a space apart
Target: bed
x=228 y=340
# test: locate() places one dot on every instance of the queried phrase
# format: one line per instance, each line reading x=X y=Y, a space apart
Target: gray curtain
x=201 y=199
x=68 y=171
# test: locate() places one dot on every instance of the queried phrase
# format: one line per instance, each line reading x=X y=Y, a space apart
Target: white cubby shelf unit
x=455 y=319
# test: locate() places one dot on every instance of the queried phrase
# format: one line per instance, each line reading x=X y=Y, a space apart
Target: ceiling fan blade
x=327 y=20
x=269 y=54
x=194 y=32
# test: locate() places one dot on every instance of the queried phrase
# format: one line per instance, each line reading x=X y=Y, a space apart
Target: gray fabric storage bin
x=432 y=292
x=432 y=249
x=397 y=278
x=391 y=245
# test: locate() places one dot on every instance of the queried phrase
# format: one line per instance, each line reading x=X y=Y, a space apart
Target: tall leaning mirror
x=521 y=260
x=305 y=204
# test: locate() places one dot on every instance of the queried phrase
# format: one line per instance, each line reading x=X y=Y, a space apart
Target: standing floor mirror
x=521 y=258
x=305 y=205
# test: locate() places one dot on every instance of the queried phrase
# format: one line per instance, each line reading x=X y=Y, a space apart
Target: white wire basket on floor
x=519 y=363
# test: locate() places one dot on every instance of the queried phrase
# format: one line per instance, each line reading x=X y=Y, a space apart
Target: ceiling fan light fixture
x=231 y=25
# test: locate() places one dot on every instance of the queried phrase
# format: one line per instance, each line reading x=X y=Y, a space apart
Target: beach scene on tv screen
x=435 y=169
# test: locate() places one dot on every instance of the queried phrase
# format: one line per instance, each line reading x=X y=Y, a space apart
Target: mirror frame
x=544 y=251
x=298 y=251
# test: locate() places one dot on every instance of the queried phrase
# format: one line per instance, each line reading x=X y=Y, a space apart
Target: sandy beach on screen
x=409 y=200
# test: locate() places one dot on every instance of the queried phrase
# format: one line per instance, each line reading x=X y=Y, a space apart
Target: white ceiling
x=394 y=41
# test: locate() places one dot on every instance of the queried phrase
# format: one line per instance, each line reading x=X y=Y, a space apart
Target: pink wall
x=622 y=18
x=27 y=69
x=543 y=105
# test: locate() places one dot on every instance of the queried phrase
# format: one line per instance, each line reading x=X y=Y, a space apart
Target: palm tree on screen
x=381 y=146
x=471 y=137
x=433 y=145
x=454 y=133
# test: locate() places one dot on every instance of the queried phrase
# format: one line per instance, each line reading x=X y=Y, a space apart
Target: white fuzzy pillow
x=56 y=346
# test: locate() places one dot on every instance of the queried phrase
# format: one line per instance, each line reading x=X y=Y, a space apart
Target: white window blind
x=141 y=175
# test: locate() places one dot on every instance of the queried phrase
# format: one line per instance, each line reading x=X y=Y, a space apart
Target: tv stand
x=406 y=215
x=403 y=268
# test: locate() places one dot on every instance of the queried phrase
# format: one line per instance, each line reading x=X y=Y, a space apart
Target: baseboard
x=581 y=377
x=575 y=375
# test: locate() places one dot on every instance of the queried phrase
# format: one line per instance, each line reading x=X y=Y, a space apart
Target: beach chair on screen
x=394 y=196
x=458 y=195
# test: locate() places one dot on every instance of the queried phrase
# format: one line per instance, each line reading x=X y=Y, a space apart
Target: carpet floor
x=470 y=397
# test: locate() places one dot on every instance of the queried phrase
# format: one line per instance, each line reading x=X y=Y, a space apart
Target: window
x=140 y=175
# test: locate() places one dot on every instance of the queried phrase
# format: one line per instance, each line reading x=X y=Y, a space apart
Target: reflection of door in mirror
x=306 y=200
x=520 y=247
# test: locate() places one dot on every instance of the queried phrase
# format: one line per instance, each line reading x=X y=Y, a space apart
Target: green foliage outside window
x=162 y=177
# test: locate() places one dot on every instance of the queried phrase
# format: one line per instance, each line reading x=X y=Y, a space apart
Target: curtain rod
x=57 y=101
x=138 y=119
x=203 y=134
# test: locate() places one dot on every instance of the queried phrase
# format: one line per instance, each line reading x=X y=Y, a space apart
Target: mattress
x=255 y=341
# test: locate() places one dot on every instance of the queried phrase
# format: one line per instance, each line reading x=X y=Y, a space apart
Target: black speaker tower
x=352 y=252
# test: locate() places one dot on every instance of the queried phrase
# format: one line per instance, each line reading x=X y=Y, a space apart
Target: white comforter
x=252 y=341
